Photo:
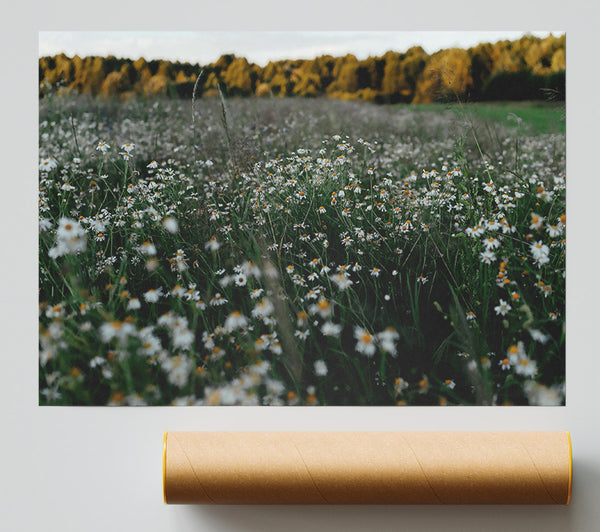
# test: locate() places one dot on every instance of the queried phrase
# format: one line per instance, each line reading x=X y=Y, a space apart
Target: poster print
x=328 y=229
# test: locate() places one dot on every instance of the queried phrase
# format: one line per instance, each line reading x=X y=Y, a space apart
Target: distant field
x=534 y=117
x=300 y=252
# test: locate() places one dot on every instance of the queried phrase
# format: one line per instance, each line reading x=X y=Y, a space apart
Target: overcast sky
x=258 y=46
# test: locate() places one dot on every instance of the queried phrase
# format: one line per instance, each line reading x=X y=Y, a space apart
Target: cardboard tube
x=367 y=467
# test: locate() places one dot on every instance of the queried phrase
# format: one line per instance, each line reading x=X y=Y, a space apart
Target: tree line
x=524 y=69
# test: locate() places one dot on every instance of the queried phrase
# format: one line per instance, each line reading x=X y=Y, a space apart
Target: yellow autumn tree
x=143 y=72
x=276 y=75
x=558 y=60
x=113 y=85
x=156 y=85
x=93 y=75
x=263 y=89
x=306 y=79
x=238 y=77
x=345 y=77
x=446 y=75
x=392 y=84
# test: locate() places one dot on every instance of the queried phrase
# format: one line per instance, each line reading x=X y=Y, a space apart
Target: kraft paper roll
x=367 y=467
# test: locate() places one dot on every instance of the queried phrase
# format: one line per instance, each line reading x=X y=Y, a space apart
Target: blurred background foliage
x=526 y=69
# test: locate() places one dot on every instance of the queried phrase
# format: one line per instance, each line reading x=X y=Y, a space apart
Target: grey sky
x=258 y=46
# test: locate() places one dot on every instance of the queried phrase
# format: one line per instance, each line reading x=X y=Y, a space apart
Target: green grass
x=536 y=118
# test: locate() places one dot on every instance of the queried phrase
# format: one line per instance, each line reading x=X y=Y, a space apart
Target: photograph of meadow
x=332 y=230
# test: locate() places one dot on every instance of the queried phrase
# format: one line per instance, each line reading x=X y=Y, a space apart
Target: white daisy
x=320 y=368
x=502 y=308
x=263 y=308
x=235 y=320
x=365 y=341
x=387 y=340
x=153 y=295
x=341 y=280
x=170 y=224
x=102 y=146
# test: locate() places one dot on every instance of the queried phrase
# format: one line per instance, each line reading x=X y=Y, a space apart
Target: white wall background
x=97 y=469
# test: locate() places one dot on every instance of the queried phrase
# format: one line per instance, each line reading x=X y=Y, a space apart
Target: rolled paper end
x=164 y=467
x=570 y=467
x=367 y=467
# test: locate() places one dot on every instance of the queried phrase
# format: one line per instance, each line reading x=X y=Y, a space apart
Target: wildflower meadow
x=278 y=251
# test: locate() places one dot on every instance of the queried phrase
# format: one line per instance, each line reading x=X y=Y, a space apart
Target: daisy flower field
x=298 y=252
